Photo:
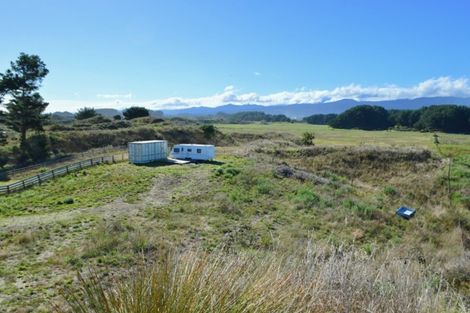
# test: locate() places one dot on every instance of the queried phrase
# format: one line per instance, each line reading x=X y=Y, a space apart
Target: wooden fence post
x=53 y=175
x=39 y=179
x=8 y=188
x=24 y=185
x=67 y=169
x=112 y=158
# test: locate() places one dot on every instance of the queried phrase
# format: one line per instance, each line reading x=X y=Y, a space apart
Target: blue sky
x=165 y=54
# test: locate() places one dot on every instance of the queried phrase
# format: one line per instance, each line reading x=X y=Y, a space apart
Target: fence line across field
x=64 y=158
x=15 y=171
x=45 y=176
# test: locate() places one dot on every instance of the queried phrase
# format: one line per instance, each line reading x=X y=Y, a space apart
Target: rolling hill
x=305 y=109
x=297 y=111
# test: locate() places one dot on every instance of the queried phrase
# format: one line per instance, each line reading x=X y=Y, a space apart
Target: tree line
x=445 y=118
x=251 y=116
x=129 y=113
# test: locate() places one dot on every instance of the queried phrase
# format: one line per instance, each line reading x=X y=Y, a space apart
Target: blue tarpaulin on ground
x=405 y=212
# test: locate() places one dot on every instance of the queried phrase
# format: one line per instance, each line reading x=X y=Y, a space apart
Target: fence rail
x=45 y=176
x=23 y=169
x=69 y=157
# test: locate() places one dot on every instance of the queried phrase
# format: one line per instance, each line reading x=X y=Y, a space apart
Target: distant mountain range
x=305 y=109
x=297 y=111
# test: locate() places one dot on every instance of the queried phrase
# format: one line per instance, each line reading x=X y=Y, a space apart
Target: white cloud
x=74 y=105
x=257 y=73
x=114 y=96
x=441 y=86
x=229 y=88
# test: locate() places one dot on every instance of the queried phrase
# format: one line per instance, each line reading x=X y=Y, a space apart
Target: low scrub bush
x=305 y=198
x=362 y=209
x=264 y=186
x=68 y=201
x=307 y=138
x=390 y=191
x=227 y=172
x=238 y=195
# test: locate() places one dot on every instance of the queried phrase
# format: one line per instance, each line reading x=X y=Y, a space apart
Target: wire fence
x=60 y=171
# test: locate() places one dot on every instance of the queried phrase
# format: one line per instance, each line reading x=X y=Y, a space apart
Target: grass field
x=262 y=197
x=326 y=135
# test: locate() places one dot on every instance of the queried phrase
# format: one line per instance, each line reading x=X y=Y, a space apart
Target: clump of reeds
x=310 y=281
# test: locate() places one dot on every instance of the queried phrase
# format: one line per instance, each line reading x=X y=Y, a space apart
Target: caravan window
x=189 y=150
x=198 y=150
x=176 y=150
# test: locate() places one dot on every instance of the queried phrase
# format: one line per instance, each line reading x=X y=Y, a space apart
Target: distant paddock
x=325 y=135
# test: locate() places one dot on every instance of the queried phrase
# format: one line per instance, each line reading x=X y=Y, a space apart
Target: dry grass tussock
x=315 y=280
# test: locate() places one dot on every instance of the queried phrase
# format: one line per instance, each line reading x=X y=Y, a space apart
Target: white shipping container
x=147 y=151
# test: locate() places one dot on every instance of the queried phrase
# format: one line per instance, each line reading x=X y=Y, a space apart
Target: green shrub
x=74 y=261
x=307 y=138
x=238 y=195
x=135 y=112
x=368 y=248
x=390 y=191
x=227 y=172
x=232 y=172
x=68 y=201
x=305 y=198
x=362 y=209
x=85 y=113
x=264 y=186
x=209 y=131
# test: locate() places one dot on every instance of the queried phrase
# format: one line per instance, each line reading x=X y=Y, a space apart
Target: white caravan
x=193 y=152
